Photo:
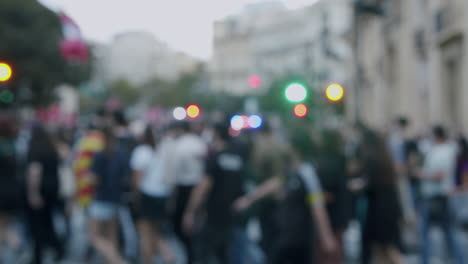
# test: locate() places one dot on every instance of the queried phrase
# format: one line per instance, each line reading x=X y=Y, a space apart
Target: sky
x=185 y=25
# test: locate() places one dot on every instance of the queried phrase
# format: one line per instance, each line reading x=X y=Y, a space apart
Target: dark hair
x=266 y=127
x=109 y=140
x=119 y=118
x=41 y=143
x=8 y=124
x=184 y=126
x=463 y=145
x=222 y=131
x=378 y=162
x=439 y=132
x=302 y=143
x=331 y=142
x=148 y=137
x=403 y=122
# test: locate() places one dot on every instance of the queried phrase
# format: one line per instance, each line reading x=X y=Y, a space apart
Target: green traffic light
x=295 y=92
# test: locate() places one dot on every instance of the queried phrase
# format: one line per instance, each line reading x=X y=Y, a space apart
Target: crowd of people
x=196 y=182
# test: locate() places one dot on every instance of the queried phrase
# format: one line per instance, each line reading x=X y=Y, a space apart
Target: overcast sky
x=186 y=25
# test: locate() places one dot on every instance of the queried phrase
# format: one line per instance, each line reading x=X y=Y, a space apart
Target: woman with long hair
x=42 y=189
x=381 y=229
x=147 y=163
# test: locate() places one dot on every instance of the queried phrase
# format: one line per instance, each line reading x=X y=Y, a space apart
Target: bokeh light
x=334 y=92
x=237 y=122
x=179 y=113
x=300 y=110
x=245 y=121
x=296 y=92
x=5 y=72
x=255 y=81
x=255 y=121
x=193 y=111
x=6 y=96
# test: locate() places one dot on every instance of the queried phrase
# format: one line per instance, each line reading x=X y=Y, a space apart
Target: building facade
x=139 y=57
x=411 y=59
x=273 y=42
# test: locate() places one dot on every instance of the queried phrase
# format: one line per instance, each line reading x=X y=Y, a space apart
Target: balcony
x=449 y=20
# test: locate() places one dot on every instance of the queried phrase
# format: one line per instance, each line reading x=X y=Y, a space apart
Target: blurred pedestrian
x=381 y=229
x=188 y=160
x=147 y=163
x=110 y=167
x=85 y=150
x=42 y=182
x=302 y=215
x=9 y=184
x=331 y=169
x=438 y=182
x=222 y=184
x=462 y=164
x=127 y=142
x=397 y=138
x=269 y=163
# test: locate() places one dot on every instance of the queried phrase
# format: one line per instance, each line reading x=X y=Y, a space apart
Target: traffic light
x=334 y=92
x=193 y=111
x=301 y=110
x=295 y=92
x=5 y=72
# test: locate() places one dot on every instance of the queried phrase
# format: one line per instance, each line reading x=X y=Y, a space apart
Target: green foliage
x=30 y=35
x=124 y=91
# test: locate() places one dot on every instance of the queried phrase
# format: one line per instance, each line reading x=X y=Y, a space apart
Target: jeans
x=443 y=217
x=242 y=250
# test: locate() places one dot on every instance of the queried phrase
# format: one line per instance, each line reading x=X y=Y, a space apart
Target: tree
x=30 y=35
x=126 y=93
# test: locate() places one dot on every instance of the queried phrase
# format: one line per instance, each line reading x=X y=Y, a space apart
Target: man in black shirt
x=221 y=186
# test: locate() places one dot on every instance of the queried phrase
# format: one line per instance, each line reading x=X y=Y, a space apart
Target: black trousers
x=42 y=231
x=292 y=255
x=268 y=226
x=182 y=199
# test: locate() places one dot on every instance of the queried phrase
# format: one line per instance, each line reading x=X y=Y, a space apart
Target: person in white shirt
x=149 y=172
x=188 y=166
x=438 y=182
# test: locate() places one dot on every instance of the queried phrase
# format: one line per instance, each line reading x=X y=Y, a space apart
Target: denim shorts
x=103 y=211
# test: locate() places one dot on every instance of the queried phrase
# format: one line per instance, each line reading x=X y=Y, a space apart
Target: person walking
x=9 y=184
x=331 y=170
x=302 y=216
x=381 y=229
x=109 y=168
x=147 y=163
x=301 y=210
x=188 y=162
x=42 y=188
x=437 y=183
x=222 y=184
